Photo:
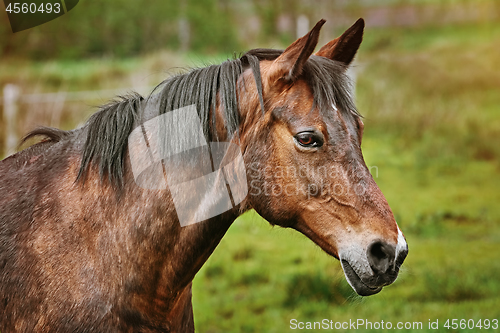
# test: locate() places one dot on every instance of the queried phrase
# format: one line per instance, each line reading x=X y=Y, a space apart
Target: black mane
x=107 y=137
x=108 y=129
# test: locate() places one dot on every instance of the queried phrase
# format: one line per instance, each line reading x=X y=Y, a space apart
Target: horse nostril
x=381 y=256
x=377 y=251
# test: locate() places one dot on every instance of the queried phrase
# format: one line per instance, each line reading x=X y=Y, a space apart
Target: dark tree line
x=125 y=27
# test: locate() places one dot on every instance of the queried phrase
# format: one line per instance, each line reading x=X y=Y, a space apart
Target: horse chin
x=355 y=281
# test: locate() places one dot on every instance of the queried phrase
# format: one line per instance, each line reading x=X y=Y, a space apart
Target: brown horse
x=84 y=248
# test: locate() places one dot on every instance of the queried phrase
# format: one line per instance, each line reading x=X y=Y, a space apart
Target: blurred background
x=427 y=82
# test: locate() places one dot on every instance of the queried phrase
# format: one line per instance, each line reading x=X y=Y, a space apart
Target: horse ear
x=289 y=64
x=344 y=48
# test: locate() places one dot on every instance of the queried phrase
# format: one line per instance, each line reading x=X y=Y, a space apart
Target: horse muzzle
x=378 y=267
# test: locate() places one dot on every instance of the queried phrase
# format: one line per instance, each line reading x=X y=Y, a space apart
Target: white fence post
x=11 y=95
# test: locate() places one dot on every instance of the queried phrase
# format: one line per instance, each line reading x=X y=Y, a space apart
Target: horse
x=91 y=235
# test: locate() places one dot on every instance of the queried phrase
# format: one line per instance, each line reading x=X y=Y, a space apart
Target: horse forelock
x=330 y=85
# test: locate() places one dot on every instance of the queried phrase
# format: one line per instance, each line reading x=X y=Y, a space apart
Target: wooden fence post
x=11 y=94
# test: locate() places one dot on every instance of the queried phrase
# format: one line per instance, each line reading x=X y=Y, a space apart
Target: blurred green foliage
x=444 y=82
x=121 y=28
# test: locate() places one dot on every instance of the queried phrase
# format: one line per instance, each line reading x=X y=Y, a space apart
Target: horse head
x=305 y=168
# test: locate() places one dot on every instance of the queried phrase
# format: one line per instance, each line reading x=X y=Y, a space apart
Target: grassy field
x=431 y=101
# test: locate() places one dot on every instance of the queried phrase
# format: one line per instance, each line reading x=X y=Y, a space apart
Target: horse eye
x=308 y=140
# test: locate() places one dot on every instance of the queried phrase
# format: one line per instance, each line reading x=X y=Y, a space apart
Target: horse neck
x=186 y=248
x=200 y=241
x=180 y=251
x=202 y=238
